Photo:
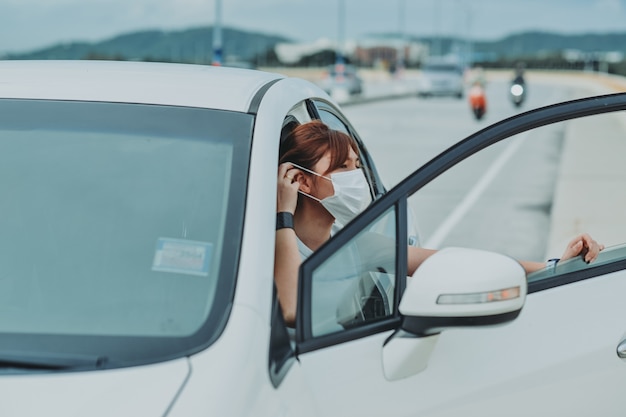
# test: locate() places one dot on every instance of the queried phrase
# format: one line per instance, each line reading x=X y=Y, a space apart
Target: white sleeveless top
x=304 y=250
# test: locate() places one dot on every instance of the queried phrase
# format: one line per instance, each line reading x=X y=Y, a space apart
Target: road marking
x=470 y=199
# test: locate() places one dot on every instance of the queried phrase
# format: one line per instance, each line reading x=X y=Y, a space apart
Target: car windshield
x=441 y=68
x=343 y=70
x=113 y=227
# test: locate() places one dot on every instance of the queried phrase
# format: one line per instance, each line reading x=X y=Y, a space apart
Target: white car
x=441 y=77
x=136 y=263
x=341 y=77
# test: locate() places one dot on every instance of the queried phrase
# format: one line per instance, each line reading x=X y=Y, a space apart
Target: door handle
x=621 y=349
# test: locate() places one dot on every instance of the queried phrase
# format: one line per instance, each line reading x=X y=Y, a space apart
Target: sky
x=27 y=25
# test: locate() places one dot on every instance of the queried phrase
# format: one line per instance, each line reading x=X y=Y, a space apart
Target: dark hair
x=309 y=142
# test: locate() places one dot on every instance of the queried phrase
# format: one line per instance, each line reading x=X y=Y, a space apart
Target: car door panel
x=559 y=356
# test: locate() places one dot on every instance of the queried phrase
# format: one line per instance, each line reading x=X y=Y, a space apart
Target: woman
x=320 y=184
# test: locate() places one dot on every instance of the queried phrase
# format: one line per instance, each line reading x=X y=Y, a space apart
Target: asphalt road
x=501 y=199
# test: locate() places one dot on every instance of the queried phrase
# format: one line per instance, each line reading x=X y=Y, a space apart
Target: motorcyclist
x=478 y=99
x=519 y=75
x=476 y=94
x=518 y=86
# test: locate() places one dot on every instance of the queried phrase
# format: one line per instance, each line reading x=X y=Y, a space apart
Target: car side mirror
x=454 y=287
x=458 y=287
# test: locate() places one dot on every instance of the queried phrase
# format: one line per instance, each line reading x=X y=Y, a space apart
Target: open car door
x=468 y=333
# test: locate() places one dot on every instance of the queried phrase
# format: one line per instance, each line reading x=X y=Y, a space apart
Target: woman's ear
x=305 y=182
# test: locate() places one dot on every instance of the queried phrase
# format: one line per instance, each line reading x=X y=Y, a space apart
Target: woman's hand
x=584 y=246
x=287 y=194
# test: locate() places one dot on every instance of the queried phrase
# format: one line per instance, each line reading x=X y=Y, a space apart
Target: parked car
x=342 y=77
x=136 y=267
x=441 y=77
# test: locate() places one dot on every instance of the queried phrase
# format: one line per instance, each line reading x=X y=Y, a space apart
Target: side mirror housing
x=458 y=287
x=453 y=288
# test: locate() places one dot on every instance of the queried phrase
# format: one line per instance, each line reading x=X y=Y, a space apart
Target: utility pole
x=470 y=45
x=466 y=13
x=341 y=15
x=437 y=21
x=217 y=34
x=401 y=58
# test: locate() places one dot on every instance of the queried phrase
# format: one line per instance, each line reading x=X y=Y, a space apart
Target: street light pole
x=401 y=58
x=217 y=34
x=339 y=58
x=437 y=21
x=465 y=31
x=470 y=44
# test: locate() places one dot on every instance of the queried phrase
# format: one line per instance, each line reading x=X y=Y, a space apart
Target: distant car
x=138 y=206
x=342 y=77
x=440 y=77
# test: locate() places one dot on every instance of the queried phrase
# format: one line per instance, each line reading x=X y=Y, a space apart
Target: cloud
x=611 y=6
x=31 y=24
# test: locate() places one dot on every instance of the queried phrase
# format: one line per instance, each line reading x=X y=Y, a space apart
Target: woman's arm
x=286 y=264
x=286 y=255
x=416 y=256
x=582 y=245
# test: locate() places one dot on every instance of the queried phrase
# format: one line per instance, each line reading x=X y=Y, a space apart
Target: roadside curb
x=365 y=100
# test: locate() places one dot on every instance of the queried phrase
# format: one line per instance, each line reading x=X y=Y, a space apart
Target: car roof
x=134 y=82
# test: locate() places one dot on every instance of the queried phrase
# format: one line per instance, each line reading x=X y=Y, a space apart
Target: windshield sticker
x=182 y=256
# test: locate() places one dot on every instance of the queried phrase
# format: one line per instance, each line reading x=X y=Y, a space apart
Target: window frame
x=366 y=159
x=575 y=270
x=281 y=352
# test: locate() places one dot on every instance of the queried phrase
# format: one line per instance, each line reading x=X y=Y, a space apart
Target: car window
x=335 y=122
x=530 y=194
x=355 y=286
x=354 y=291
x=347 y=70
x=498 y=199
x=118 y=212
x=443 y=68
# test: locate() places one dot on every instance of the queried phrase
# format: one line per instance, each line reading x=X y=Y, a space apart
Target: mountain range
x=194 y=45
x=191 y=45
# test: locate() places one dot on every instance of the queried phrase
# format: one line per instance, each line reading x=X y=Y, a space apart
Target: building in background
x=367 y=52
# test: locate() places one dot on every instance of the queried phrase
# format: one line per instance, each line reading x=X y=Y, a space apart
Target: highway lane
x=499 y=199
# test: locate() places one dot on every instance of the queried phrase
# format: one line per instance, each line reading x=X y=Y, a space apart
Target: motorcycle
x=478 y=101
x=518 y=93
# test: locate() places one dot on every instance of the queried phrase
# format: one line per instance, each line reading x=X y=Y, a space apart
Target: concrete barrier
x=590 y=193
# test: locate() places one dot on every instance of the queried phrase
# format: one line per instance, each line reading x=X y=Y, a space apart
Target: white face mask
x=351 y=197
